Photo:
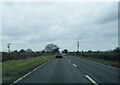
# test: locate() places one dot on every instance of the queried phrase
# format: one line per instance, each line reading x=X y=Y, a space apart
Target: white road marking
x=94 y=82
x=74 y=65
x=29 y=73
x=69 y=60
x=17 y=80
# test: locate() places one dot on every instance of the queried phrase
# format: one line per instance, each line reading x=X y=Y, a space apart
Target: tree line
x=111 y=55
x=23 y=54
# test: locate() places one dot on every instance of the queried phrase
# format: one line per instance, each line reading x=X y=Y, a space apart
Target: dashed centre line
x=69 y=60
x=74 y=65
x=89 y=78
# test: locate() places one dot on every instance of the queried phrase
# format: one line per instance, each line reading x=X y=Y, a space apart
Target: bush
x=19 y=55
x=102 y=55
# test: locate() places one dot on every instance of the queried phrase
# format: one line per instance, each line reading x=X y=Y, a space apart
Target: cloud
x=61 y=23
x=105 y=15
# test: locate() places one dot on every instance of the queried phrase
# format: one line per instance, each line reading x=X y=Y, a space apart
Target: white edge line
x=74 y=65
x=94 y=82
x=29 y=73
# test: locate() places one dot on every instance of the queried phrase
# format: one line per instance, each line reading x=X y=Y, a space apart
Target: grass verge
x=106 y=62
x=15 y=68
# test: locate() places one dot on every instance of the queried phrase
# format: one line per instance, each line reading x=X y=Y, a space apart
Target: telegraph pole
x=8 y=47
x=77 y=46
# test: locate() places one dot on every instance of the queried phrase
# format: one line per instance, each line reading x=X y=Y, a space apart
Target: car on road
x=63 y=54
x=58 y=55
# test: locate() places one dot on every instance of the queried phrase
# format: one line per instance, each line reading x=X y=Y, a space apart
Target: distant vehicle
x=58 y=55
x=63 y=54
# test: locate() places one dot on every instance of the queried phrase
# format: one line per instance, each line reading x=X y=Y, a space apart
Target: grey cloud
x=106 y=15
x=61 y=23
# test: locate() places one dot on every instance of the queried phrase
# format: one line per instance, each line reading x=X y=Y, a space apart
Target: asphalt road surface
x=72 y=70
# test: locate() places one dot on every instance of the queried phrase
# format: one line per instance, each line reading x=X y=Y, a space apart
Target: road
x=72 y=70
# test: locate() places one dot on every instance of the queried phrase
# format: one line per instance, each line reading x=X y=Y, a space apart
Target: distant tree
x=43 y=51
x=117 y=50
x=89 y=51
x=29 y=50
x=51 y=48
x=82 y=51
x=55 y=50
x=98 y=51
x=65 y=51
x=22 y=50
x=15 y=51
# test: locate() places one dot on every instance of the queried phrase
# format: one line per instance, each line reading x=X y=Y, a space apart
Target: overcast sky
x=36 y=24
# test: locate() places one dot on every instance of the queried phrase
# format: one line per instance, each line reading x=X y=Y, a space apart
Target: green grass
x=15 y=68
x=110 y=63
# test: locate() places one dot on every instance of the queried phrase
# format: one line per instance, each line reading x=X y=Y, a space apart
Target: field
x=13 y=69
